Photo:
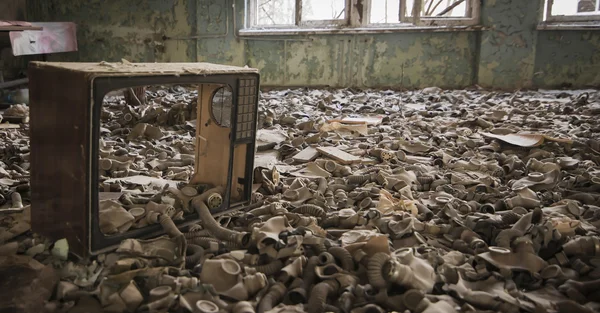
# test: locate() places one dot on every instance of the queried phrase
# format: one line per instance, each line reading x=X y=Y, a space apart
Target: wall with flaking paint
x=567 y=59
x=400 y=60
x=408 y=60
x=203 y=30
x=130 y=29
x=510 y=54
x=507 y=51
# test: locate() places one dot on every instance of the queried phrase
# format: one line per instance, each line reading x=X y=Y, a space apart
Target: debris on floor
x=365 y=201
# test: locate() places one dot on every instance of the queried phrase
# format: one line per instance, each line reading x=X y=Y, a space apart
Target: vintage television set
x=65 y=108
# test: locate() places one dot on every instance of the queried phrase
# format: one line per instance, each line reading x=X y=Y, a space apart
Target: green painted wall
x=511 y=54
x=409 y=60
x=507 y=52
x=130 y=29
x=567 y=59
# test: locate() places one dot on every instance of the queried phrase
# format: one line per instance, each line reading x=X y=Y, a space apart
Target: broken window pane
x=385 y=11
x=315 y=10
x=275 y=12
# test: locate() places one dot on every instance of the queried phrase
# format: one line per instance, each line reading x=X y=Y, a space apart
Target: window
x=440 y=12
x=275 y=12
x=572 y=10
x=384 y=12
x=285 y=13
x=361 y=13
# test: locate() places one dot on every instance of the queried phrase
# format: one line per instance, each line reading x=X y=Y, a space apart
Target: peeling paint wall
x=203 y=30
x=507 y=52
x=567 y=59
x=511 y=54
x=400 y=60
x=409 y=60
x=130 y=29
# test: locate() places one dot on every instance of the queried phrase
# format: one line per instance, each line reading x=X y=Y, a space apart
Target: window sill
x=569 y=26
x=253 y=32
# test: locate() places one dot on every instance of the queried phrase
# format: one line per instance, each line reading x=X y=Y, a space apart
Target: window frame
x=473 y=12
x=355 y=19
x=549 y=18
x=252 y=6
x=323 y=23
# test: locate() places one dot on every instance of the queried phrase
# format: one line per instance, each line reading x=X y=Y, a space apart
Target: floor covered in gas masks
x=365 y=201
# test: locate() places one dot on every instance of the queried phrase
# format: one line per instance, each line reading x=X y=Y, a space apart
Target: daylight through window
x=361 y=13
x=572 y=10
x=298 y=12
x=440 y=12
x=275 y=12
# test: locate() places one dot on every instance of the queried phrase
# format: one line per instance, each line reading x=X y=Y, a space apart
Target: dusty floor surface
x=366 y=201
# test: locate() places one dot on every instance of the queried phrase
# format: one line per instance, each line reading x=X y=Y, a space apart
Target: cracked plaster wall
x=509 y=55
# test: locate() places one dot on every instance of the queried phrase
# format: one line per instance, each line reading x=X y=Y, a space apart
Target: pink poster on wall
x=53 y=38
